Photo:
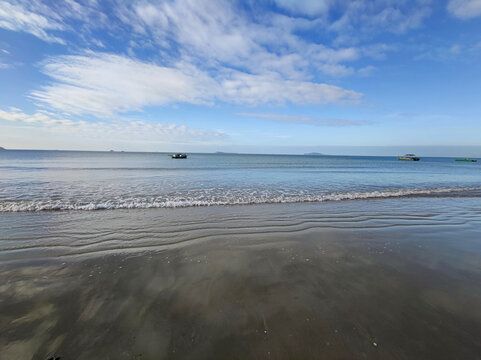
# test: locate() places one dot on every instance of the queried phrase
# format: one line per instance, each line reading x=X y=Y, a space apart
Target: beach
x=362 y=279
x=240 y=180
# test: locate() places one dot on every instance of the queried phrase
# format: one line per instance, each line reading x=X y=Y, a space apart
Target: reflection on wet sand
x=318 y=292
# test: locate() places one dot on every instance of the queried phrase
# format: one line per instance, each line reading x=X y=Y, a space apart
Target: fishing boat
x=466 y=159
x=179 y=156
x=408 y=157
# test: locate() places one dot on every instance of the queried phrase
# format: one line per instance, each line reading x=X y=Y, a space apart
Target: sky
x=367 y=77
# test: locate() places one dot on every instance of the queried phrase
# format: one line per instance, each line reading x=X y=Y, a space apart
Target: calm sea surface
x=63 y=180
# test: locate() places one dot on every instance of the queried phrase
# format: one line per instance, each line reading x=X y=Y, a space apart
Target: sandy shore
x=383 y=279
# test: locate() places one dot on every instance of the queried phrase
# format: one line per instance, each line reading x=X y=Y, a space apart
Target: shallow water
x=371 y=279
x=63 y=180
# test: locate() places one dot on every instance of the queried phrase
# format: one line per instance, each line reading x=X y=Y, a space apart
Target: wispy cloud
x=40 y=118
x=17 y=18
x=104 y=84
x=364 y=19
x=306 y=7
x=366 y=71
x=464 y=9
x=304 y=119
x=353 y=20
x=217 y=34
x=257 y=89
x=50 y=21
x=417 y=117
x=133 y=130
x=465 y=51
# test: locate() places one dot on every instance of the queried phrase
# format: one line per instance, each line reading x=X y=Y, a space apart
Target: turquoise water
x=64 y=180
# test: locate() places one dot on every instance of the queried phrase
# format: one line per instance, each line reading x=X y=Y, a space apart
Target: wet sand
x=382 y=279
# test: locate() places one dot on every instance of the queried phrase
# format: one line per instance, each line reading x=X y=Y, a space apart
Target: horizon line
x=310 y=153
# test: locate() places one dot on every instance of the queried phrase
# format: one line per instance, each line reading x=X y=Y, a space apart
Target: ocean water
x=369 y=257
x=64 y=180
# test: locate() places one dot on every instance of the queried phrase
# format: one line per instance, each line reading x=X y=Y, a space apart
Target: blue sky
x=267 y=76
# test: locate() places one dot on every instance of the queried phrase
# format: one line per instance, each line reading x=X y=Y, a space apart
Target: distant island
x=2 y=148
x=314 y=153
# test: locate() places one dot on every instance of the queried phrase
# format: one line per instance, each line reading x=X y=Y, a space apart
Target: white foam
x=223 y=199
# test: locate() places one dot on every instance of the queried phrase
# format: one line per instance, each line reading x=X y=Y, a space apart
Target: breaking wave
x=223 y=199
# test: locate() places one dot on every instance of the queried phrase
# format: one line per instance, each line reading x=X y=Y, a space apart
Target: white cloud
x=366 y=71
x=367 y=17
x=306 y=7
x=132 y=130
x=215 y=34
x=49 y=21
x=104 y=84
x=464 y=9
x=203 y=51
x=257 y=89
x=336 y=70
x=303 y=119
x=40 y=118
x=335 y=55
x=97 y=43
x=15 y=17
x=212 y=33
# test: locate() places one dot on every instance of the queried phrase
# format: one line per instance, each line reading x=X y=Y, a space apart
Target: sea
x=32 y=181
x=117 y=255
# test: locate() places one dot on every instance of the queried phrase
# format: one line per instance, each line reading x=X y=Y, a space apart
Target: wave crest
x=173 y=202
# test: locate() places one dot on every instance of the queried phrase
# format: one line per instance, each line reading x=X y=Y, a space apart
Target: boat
x=408 y=157
x=466 y=159
x=179 y=156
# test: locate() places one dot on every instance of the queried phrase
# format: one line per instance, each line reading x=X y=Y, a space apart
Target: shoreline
x=170 y=227
x=34 y=206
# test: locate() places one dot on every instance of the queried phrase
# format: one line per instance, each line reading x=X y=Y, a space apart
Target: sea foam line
x=147 y=203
